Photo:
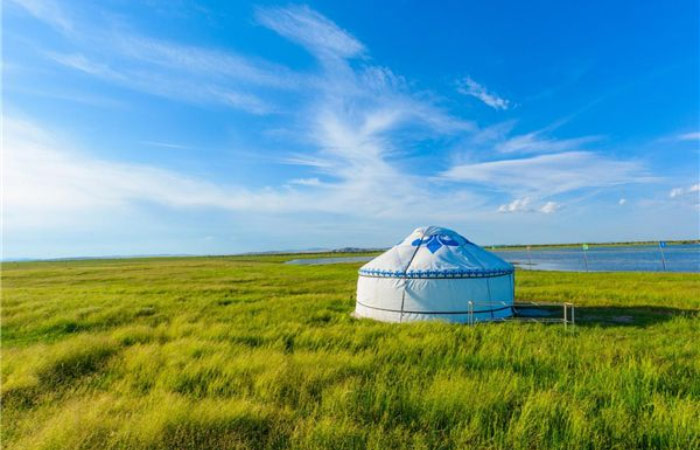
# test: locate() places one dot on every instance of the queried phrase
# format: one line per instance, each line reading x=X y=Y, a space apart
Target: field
x=246 y=352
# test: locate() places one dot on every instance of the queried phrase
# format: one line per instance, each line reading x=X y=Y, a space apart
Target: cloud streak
x=47 y=11
x=678 y=192
x=46 y=176
x=690 y=137
x=305 y=26
x=550 y=174
x=166 y=85
x=469 y=87
x=534 y=143
x=525 y=205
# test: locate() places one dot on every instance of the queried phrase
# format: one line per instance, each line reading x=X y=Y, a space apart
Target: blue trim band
x=422 y=274
x=480 y=311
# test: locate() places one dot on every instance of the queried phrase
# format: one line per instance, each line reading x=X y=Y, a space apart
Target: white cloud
x=204 y=76
x=550 y=174
x=524 y=204
x=130 y=48
x=306 y=181
x=550 y=207
x=312 y=30
x=470 y=87
x=167 y=145
x=178 y=72
x=690 y=136
x=351 y=121
x=47 y=181
x=218 y=65
x=83 y=64
x=47 y=11
x=622 y=201
x=519 y=204
x=46 y=178
x=677 y=192
x=533 y=143
x=168 y=85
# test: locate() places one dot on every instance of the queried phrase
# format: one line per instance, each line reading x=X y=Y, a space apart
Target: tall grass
x=247 y=352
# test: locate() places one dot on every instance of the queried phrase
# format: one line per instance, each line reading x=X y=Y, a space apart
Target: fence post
x=662 y=244
x=565 y=318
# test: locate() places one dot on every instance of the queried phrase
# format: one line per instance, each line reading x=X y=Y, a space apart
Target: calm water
x=340 y=259
x=678 y=258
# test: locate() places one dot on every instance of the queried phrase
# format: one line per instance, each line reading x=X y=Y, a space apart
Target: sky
x=194 y=127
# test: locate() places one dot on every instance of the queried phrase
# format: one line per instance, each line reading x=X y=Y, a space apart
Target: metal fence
x=539 y=312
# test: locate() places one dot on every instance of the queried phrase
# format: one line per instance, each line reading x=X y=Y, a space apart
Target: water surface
x=334 y=260
x=633 y=258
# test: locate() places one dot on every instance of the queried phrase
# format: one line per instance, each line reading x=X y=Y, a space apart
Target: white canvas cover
x=433 y=274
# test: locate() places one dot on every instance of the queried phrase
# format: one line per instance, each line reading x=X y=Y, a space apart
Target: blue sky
x=204 y=127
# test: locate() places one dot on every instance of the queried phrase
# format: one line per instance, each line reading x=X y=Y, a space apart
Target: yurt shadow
x=629 y=316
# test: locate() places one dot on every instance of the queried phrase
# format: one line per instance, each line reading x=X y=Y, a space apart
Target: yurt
x=435 y=274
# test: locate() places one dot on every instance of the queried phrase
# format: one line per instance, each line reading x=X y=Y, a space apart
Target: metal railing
x=568 y=317
x=490 y=308
x=568 y=313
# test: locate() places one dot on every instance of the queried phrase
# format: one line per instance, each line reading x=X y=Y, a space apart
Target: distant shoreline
x=592 y=244
x=344 y=250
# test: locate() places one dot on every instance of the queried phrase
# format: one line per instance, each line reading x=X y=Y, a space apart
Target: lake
x=334 y=260
x=634 y=258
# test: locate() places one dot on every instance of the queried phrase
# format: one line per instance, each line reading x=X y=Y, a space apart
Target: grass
x=246 y=352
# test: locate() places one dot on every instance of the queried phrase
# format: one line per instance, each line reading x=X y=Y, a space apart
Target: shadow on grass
x=627 y=316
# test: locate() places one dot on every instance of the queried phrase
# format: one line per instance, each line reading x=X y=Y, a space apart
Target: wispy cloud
x=468 y=86
x=677 y=192
x=314 y=181
x=690 y=136
x=166 y=69
x=167 y=85
x=519 y=204
x=550 y=207
x=688 y=196
x=535 y=143
x=216 y=65
x=167 y=145
x=79 y=62
x=47 y=11
x=46 y=176
x=312 y=30
x=525 y=204
x=551 y=174
x=350 y=115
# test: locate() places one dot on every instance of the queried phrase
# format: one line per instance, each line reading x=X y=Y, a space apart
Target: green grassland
x=246 y=352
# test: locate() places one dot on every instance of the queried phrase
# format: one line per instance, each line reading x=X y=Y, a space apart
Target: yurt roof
x=436 y=252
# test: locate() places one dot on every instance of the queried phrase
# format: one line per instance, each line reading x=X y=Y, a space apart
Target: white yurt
x=435 y=274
